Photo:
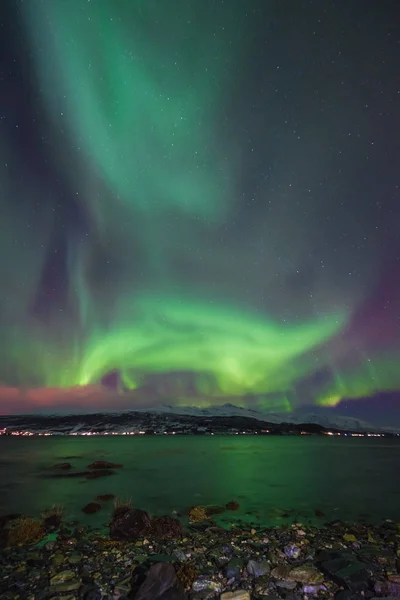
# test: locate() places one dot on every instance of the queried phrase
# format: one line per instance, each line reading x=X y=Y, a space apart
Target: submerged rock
x=105 y=497
x=95 y=474
x=99 y=473
x=65 y=466
x=91 y=508
x=232 y=505
x=104 y=464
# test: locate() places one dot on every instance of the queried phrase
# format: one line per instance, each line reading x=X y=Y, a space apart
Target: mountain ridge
x=164 y=418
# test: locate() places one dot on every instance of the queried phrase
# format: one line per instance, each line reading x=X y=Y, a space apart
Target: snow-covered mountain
x=168 y=418
x=296 y=417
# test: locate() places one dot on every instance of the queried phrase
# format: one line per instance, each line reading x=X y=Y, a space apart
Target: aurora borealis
x=201 y=197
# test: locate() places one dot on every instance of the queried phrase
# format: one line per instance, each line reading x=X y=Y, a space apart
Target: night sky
x=200 y=203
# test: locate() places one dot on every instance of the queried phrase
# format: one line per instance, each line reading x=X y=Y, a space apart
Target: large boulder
x=130 y=525
x=161 y=583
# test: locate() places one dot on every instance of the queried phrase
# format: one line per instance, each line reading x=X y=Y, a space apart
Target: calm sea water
x=344 y=478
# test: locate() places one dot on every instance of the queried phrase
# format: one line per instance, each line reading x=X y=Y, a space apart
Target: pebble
x=62 y=576
x=258 y=568
x=236 y=595
x=66 y=586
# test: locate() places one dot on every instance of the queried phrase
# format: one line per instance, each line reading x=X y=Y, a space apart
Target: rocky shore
x=145 y=558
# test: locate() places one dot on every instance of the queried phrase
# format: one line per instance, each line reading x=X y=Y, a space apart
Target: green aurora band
x=134 y=98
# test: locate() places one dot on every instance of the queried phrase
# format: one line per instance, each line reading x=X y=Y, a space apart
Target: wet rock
x=161 y=583
x=233 y=568
x=187 y=574
x=74 y=559
x=160 y=558
x=57 y=560
x=204 y=583
x=313 y=590
x=236 y=595
x=349 y=537
x=91 y=508
x=66 y=586
x=292 y=551
x=280 y=572
x=348 y=572
x=324 y=556
x=348 y=595
x=174 y=593
x=258 y=568
x=286 y=585
x=90 y=592
x=122 y=588
x=52 y=522
x=24 y=530
x=198 y=514
x=221 y=555
x=305 y=574
x=103 y=464
x=130 y=525
x=387 y=588
x=62 y=576
x=166 y=528
x=180 y=555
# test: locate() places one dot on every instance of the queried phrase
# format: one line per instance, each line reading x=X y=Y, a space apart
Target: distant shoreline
x=153 y=423
x=212 y=434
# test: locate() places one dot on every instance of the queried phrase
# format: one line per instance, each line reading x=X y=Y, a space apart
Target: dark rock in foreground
x=161 y=583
